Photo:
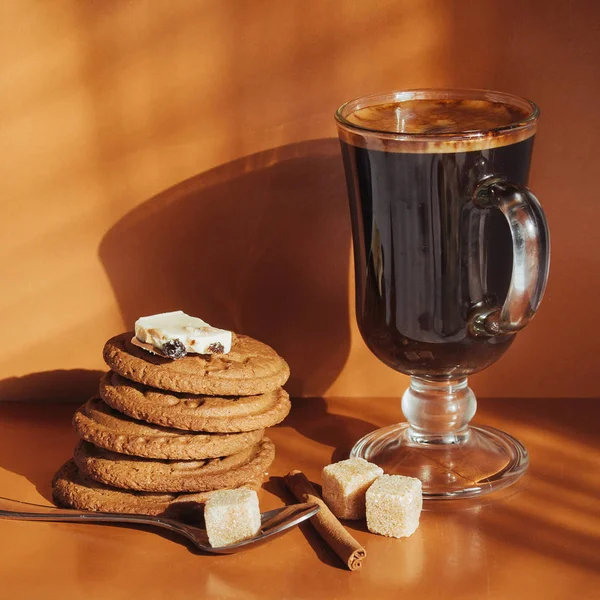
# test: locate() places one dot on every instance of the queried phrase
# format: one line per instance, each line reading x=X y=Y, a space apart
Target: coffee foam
x=436 y=125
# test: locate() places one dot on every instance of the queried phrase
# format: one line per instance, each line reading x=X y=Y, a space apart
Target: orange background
x=159 y=155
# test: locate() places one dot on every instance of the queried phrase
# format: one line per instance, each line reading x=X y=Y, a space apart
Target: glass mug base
x=476 y=462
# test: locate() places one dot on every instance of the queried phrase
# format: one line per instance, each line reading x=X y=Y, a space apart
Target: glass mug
x=451 y=255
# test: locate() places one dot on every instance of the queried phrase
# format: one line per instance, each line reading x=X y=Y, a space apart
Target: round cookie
x=72 y=489
x=193 y=412
x=103 y=426
x=251 y=367
x=147 y=475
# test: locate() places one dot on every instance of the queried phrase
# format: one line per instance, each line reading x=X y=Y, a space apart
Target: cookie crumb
x=216 y=348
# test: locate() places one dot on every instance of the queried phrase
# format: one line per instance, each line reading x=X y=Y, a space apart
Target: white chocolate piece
x=394 y=505
x=231 y=516
x=345 y=484
x=196 y=336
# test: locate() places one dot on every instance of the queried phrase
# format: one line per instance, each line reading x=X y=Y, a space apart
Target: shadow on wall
x=260 y=245
x=36 y=441
x=67 y=385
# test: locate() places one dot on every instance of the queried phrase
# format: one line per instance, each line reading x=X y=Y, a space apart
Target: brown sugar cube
x=231 y=516
x=394 y=504
x=345 y=484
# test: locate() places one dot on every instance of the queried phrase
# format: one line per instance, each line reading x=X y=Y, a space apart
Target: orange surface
x=541 y=539
x=177 y=154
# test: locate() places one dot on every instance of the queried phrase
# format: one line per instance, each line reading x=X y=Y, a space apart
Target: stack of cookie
x=163 y=434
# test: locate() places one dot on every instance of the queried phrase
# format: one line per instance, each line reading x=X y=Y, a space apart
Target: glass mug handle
x=531 y=257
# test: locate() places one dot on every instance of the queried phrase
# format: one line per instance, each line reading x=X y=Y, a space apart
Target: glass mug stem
x=438 y=412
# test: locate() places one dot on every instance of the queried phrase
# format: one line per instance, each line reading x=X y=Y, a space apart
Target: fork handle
x=25 y=511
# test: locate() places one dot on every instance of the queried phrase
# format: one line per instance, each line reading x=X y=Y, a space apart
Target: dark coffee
x=445 y=116
x=425 y=256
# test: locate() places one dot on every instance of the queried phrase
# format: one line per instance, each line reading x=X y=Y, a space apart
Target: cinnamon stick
x=326 y=523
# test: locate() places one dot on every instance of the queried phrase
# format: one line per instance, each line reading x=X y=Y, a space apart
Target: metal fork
x=273 y=523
